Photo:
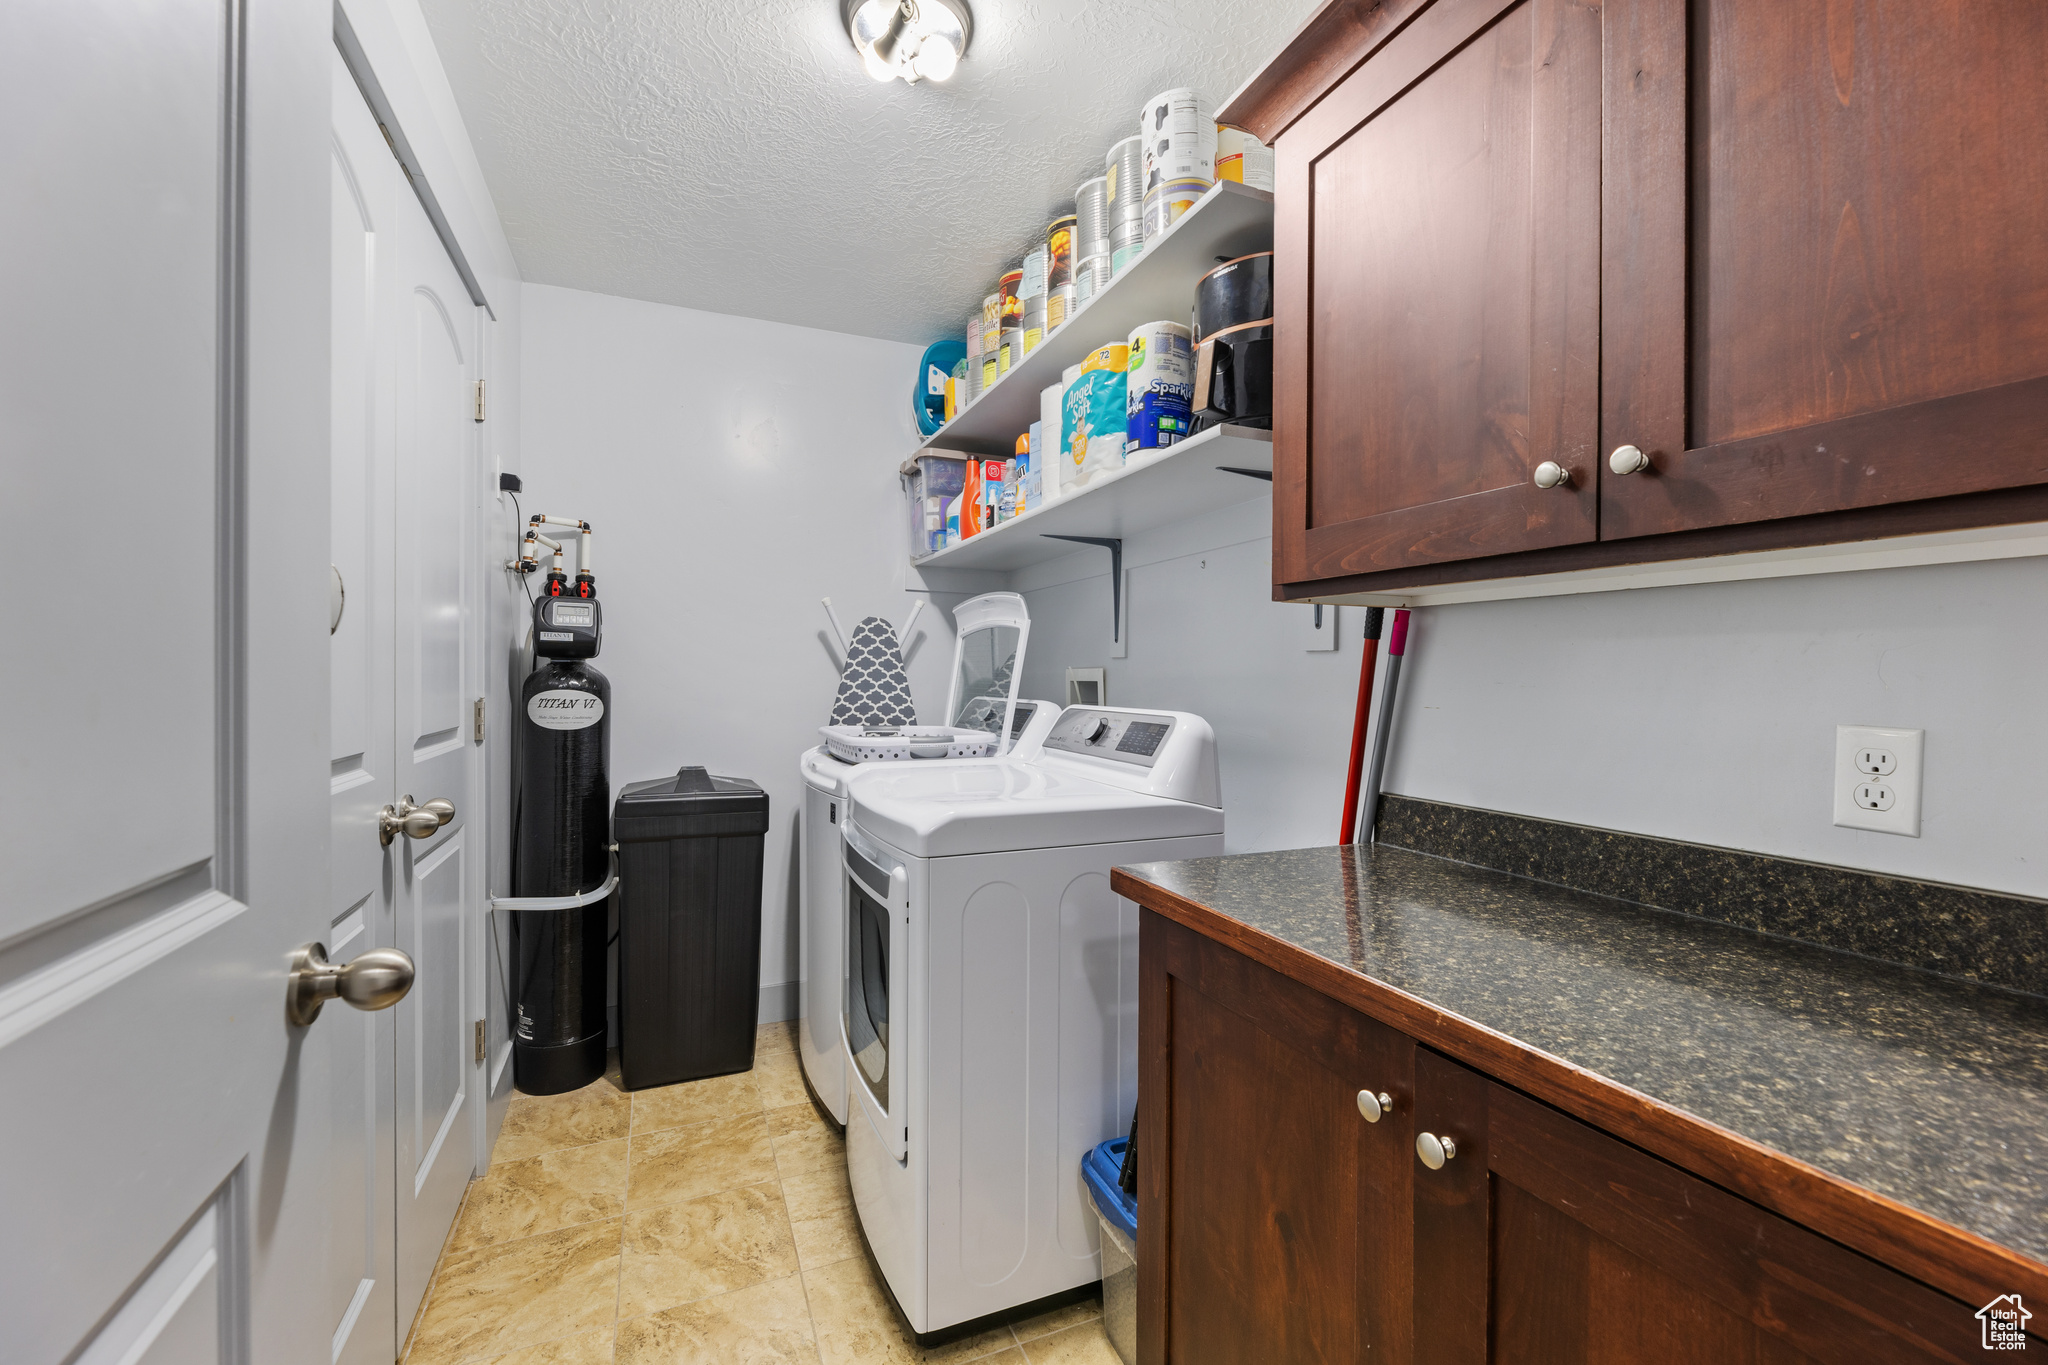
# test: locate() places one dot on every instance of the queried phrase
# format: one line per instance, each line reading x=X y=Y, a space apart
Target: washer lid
x=995 y=805
x=823 y=772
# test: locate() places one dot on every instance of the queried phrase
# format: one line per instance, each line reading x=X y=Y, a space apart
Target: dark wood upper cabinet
x=1437 y=281
x=1795 y=250
x=1825 y=273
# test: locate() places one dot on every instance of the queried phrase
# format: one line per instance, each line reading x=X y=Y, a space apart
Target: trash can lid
x=1099 y=1168
x=692 y=791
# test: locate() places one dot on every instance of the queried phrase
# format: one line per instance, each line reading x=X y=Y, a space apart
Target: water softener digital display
x=566 y=627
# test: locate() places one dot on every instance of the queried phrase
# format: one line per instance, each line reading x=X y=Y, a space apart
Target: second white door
x=403 y=470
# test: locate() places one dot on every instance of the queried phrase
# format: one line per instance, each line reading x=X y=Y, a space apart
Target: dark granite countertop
x=1930 y=1091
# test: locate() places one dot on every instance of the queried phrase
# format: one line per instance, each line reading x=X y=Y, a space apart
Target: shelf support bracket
x=1115 y=547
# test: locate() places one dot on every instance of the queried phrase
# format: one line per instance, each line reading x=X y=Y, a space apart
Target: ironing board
x=873 y=688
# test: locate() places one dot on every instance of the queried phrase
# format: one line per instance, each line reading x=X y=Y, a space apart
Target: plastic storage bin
x=1117 y=1212
x=690 y=850
x=930 y=482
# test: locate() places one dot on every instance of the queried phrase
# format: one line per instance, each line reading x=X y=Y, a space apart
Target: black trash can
x=690 y=853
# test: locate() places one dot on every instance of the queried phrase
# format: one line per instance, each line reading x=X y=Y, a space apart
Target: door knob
x=373 y=980
x=1434 y=1150
x=1551 y=474
x=415 y=822
x=1628 y=460
x=1375 y=1105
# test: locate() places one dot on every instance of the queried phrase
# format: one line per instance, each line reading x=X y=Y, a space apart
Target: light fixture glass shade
x=914 y=39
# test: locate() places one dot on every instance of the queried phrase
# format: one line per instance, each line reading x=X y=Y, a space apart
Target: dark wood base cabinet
x=1279 y=1224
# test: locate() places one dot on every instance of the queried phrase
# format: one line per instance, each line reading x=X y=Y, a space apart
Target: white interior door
x=439 y=1073
x=439 y=884
x=362 y=1296
x=403 y=468
x=163 y=814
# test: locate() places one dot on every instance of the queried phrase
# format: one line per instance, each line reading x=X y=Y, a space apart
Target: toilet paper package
x=1159 y=384
x=1093 y=421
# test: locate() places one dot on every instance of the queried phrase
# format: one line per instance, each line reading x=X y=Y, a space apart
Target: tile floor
x=707 y=1222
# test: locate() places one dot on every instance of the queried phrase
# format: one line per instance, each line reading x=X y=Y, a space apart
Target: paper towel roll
x=1052 y=469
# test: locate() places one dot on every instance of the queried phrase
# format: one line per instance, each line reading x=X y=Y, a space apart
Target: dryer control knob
x=1099 y=733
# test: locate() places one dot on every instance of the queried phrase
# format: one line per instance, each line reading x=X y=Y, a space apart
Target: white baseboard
x=778 y=1002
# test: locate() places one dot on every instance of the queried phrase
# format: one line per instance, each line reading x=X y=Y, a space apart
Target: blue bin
x=1118 y=1213
x=1099 y=1168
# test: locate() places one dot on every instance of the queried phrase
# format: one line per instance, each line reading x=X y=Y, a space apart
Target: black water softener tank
x=561 y=846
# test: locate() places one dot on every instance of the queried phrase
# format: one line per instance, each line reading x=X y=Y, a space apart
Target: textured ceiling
x=735 y=157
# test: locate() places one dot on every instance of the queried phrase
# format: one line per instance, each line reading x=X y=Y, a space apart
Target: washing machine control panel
x=1133 y=737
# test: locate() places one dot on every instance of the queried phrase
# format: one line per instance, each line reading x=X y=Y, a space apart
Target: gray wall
x=735 y=471
x=738 y=470
x=1701 y=713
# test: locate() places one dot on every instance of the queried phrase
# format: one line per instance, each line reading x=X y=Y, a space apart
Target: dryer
x=991 y=1006
x=992 y=631
x=821 y=921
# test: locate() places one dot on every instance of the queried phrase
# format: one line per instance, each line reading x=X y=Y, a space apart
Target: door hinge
x=480 y=1052
x=479 y=400
x=479 y=713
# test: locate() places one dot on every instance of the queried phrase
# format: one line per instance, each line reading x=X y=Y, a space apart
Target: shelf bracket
x=1265 y=474
x=1115 y=547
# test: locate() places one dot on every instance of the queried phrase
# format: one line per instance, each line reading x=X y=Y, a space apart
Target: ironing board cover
x=873 y=689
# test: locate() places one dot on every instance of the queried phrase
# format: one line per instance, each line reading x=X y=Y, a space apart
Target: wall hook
x=1116 y=575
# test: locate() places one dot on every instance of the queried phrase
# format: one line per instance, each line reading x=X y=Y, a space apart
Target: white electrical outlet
x=1877 y=778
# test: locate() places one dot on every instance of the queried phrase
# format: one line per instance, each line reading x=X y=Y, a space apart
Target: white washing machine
x=821 y=920
x=992 y=631
x=991 y=1003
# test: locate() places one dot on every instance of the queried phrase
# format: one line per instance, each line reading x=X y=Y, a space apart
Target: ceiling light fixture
x=915 y=39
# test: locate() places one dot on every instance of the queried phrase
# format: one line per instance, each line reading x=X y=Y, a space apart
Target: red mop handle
x=1366 y=667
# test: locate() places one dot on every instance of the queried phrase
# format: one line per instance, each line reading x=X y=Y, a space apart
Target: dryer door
x=877 y=962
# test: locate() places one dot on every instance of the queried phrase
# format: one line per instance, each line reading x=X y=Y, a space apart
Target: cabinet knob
x=1375 y=1105
x=1434 y=1150
x=1551 y=474
x=1628 y=460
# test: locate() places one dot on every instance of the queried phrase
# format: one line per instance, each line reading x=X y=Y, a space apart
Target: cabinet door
x=1825 y=277
x=1437 y=295
x=1544 y=1240
x=1272 y=1216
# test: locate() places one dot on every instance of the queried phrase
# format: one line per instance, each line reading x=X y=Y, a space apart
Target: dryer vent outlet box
x=1087 y=687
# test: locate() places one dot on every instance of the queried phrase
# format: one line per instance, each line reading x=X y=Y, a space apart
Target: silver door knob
x=1551 y=474
x=373 y=980
x=1628 y=460
x=1374 y=1106
x=1434 y=1150
x=414 y=822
